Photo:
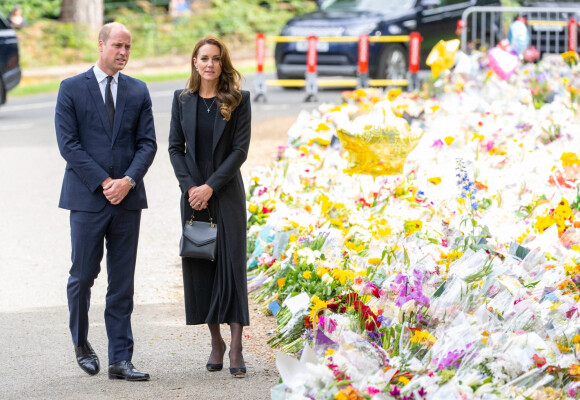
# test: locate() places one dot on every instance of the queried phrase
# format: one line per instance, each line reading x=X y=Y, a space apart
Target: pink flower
x=438 y=143
x=372 y=390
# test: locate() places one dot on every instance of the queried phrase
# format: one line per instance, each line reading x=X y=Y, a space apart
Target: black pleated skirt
x=209 y=286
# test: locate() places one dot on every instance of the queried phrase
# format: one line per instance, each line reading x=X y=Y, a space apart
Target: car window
x=366 y=5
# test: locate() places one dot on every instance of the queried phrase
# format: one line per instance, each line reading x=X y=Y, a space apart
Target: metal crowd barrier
x=552 y=29
x=311 y=81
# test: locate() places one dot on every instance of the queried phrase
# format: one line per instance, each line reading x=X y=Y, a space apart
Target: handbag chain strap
x=208 y=213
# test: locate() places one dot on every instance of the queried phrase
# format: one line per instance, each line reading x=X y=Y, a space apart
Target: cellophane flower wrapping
x=454 y=275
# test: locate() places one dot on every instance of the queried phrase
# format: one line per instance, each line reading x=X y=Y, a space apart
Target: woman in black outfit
x=208 y=143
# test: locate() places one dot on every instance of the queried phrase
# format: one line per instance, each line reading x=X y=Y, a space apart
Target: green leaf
x=440 y=290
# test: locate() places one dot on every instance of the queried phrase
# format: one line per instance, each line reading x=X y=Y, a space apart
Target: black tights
x=217 y=343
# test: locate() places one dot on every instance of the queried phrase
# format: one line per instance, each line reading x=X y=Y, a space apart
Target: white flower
x=409 y=307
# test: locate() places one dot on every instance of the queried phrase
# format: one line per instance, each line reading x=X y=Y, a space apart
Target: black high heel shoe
x=217 y=367
x=239 y=372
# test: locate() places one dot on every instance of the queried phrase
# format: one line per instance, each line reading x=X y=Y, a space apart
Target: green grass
x=52 y=86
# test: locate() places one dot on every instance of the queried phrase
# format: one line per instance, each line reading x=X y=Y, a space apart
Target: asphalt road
x=35 y=346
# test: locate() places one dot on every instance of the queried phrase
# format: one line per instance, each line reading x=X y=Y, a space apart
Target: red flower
x=539 y=361
x=308 y=322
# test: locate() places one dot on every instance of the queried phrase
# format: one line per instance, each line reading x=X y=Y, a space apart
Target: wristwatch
x=131 y=181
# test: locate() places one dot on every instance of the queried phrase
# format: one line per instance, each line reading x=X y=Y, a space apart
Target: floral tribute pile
x=457 y=277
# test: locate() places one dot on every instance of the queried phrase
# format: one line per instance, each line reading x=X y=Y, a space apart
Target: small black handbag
x=199 y=239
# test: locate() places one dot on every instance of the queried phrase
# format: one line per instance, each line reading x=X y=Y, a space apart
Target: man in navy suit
x=105 y=132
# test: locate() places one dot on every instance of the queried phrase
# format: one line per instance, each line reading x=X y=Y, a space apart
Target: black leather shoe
x=87 y=358
x=217 y=367
x=238 y=372
x=126 y=370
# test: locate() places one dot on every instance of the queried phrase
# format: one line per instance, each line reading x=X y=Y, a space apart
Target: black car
x=434 y=19
x=10 y=73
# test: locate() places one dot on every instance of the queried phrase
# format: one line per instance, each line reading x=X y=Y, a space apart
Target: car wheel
x=393 y=63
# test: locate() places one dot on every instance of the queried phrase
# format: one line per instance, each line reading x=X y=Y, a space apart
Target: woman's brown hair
x=228 y=88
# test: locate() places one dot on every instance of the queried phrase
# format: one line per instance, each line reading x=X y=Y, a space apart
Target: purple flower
x=395 y=392
x=422 y=392
x=400 y=278
x=451 y=360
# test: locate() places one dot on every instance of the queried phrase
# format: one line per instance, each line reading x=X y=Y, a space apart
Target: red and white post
x=415 y=40
x=572 y=34
x=311 y=75
x=363 y=61
x=260 y=57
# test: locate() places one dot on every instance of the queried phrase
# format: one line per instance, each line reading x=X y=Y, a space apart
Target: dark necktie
x=109 y=103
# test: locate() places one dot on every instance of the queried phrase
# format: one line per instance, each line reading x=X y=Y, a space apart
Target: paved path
x=35 y=347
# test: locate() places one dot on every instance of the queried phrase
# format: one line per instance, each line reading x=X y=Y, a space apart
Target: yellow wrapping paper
x=380 y=148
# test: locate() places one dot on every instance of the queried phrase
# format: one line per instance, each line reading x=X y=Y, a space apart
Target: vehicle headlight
x=357 y=30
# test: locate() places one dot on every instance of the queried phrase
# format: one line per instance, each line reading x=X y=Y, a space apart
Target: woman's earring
x=196 y=69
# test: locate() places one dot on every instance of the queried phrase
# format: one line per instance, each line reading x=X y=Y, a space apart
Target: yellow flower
x=342 y=275
x=413 y=226
x=380 y=227
x=253 y=207
x=320 y=141
x=354 y=246
x=448 y=140
x=576 y=339
x=423 y=337
x=321 y=271
x=563 y=349
x=360 y=93
x=404 y=380
x=255 y=179
x=571 y=57
x=307 y=274
x=394 y=93
x=329 y=352
x=569 y=159
x=574 y=370
x=435 y=180
x=325 y=204
x=374 y=260
x=477 y=136
x=317 y=307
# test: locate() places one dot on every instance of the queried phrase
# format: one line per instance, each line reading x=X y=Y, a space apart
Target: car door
x=9 y=61
x=439 y=21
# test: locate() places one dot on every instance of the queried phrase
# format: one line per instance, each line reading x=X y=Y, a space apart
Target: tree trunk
x=87 y=12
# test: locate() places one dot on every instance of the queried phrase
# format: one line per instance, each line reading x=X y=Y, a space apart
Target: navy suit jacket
x=92 y=151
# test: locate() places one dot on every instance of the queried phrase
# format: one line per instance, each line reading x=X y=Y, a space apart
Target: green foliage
x=33 y=9
x=155 y=32
x=49 y=42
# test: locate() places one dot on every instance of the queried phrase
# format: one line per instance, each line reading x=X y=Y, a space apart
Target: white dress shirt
x=102 y=80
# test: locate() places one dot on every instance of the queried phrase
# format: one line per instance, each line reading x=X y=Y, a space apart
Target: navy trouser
x=118 y=229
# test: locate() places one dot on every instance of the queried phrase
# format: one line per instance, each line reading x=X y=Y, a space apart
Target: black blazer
x=92 y=151
x=230 y=145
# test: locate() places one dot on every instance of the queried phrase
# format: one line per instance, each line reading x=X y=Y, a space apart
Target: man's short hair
x=107 y=28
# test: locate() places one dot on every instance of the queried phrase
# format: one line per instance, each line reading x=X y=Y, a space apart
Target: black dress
x=209 y=289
